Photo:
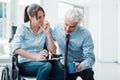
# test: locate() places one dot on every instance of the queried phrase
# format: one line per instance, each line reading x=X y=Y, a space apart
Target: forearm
x=88 y=63
x=25 y=54
x=51 y=44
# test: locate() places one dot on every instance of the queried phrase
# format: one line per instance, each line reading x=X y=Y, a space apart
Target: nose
x=42 y=19
x=67 y=28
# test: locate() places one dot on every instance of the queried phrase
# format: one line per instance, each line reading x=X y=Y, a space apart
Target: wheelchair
x=15 y=68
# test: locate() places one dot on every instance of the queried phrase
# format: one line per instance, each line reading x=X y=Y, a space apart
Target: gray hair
x=74 y=15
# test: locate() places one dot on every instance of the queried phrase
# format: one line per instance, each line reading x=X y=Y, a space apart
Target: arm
x=42 y=54
x=51 y=44
x=18 y=41
x=88 y=47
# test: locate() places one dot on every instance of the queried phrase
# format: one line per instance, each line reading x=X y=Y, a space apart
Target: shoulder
x=58 y=29
x=59 y=26
x=84 y=31
x=24 y=26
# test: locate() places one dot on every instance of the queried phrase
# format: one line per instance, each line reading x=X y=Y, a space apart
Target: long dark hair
x=32 y=11
x=26 y=17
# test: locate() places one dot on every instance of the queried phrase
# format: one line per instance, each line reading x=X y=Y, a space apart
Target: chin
x=67 y=32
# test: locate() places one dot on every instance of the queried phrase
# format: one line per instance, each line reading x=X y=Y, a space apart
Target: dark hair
x=32 y=11
x=26 y=17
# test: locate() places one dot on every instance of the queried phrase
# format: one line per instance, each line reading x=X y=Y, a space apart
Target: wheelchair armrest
x=15 y=68
x=56 y=56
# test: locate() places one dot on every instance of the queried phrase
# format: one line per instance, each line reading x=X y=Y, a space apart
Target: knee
x=89 y=74
x=48 y=66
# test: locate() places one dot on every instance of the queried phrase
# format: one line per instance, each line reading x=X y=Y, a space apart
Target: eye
x=66 y=24
x=44 y=15
x=39 y=17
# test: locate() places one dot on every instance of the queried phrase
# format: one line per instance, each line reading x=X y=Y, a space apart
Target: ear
x=30 y=18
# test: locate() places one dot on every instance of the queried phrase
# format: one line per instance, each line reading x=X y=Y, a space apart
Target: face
x=39 y=19
x=69 y=26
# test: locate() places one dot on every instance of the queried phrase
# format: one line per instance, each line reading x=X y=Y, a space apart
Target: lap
x=85 y=75
x=31 y=68
x=57 y=72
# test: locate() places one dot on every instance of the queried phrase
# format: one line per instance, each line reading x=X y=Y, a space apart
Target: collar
x=27 y=24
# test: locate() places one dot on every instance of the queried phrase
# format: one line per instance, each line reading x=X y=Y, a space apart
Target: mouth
x=67 y=32
x=41 y=23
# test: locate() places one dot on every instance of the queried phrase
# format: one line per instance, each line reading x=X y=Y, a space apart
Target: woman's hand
x=42 y=54
x=45 y=26
x=51 y=45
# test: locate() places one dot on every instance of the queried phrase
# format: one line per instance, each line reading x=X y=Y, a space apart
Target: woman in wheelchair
x=29 y=42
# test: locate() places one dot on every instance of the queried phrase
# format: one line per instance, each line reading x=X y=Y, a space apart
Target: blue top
x=80 y=47
x=28 y=41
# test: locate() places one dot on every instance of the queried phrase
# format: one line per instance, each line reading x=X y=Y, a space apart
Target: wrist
x=47 y=32
x=35 y=57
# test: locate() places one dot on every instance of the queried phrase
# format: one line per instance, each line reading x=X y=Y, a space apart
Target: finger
x=46 y=23
x=45 y=55
x=77 y=64
x=45 y=50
